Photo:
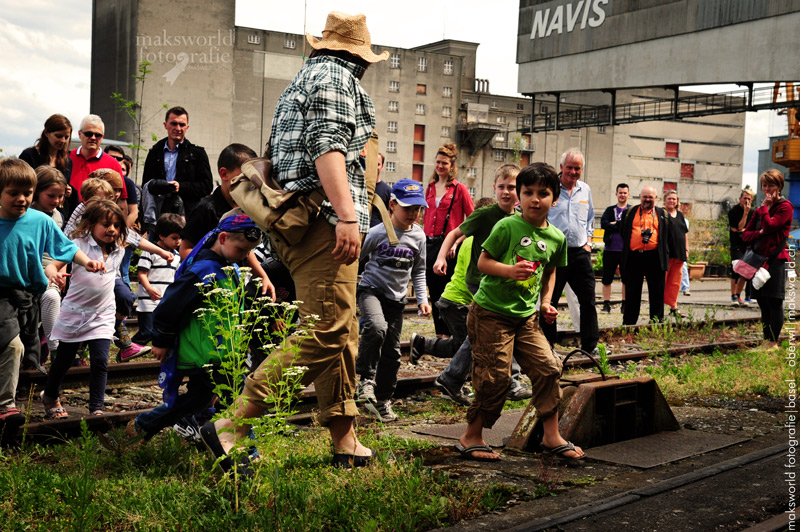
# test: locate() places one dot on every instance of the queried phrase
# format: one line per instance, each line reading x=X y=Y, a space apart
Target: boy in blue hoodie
x=176 y=326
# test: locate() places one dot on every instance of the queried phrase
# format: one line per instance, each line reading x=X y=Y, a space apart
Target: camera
x=646 y=234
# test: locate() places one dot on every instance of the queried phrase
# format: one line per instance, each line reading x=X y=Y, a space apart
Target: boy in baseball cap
x=381 y=297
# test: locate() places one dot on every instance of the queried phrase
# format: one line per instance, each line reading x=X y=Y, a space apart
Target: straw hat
x=348 y=33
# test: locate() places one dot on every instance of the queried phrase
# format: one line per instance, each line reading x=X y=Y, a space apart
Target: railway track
x=146 y=371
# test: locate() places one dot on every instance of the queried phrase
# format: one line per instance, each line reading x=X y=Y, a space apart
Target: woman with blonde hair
x=678 y=251
x=449 y=204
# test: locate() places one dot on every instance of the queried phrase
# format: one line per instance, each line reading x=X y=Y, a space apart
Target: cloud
x=45 y=54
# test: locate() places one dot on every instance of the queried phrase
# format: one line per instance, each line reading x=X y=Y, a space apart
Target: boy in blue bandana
x=176 y=326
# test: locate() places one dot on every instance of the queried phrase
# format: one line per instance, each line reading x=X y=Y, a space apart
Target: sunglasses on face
x=92 y=134
x=120 y=158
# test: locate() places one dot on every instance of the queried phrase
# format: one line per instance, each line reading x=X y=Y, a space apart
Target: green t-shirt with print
x=479 y=225
x=512 y=240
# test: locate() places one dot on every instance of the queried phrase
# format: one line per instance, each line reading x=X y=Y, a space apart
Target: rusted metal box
x=596 y=412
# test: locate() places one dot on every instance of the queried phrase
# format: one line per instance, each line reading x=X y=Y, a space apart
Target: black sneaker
x=188 y=429
x=417 y=348
x=607 y=306
x=453 y=394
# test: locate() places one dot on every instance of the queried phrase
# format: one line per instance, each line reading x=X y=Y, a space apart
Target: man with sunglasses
x=181 y=167
x=89 y=157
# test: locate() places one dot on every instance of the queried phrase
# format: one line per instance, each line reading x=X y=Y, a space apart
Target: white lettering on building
x=550 y=20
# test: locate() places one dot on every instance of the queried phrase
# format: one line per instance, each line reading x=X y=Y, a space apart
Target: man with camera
x=644 y=255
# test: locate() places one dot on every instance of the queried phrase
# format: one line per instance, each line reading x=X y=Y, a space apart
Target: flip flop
x=558 y=452
x=467 y=453
x=349 y=461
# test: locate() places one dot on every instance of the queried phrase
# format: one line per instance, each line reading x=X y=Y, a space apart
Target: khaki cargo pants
x=327 y=289
x=496 y=339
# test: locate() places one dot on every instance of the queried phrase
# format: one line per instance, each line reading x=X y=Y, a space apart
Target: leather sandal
x=52 y=409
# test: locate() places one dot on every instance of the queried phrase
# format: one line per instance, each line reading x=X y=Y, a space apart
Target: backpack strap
x=371 y=179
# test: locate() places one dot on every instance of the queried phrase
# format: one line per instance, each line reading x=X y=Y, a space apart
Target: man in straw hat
x=322 y=121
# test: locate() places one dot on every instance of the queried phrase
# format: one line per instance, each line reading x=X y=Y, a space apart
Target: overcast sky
x=45 y=52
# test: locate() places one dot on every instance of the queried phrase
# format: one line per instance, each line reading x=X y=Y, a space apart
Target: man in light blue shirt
x=573 y=214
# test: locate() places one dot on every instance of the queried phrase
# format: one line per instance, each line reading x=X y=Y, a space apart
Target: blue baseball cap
x=408 y=192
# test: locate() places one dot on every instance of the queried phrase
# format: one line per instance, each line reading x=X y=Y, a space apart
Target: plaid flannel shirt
x=324 y=109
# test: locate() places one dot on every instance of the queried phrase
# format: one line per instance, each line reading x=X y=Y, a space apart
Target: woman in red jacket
x=767 y=233
x=449 y=203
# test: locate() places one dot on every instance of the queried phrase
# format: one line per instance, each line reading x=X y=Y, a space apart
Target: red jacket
x=775 y=224
x=435 y=216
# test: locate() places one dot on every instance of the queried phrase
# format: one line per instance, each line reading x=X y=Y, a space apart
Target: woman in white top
x=87 y=312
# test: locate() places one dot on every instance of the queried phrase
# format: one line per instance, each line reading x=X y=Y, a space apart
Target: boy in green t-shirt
x=518 y=261
x=478 y=225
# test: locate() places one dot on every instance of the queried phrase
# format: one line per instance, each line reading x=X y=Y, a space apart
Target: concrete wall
x=645 y=44
x=190 y=47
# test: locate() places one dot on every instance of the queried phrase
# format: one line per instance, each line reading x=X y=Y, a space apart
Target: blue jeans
x=379 y=344
x=145 y=333
x=198 y=397
x=125 y=266
x=98 y=370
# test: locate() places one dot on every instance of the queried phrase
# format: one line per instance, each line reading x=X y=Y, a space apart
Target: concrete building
x=229 y=79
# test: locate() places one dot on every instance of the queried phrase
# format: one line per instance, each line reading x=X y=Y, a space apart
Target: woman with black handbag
x=767 y=233
x=449 y=204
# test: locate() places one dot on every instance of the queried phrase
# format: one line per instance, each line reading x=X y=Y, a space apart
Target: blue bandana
x=232 y=224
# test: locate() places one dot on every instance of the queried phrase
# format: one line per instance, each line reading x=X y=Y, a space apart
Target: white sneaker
x=366 y=391
x=385 y=411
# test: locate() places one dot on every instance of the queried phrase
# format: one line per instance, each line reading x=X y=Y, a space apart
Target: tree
x=133 y=108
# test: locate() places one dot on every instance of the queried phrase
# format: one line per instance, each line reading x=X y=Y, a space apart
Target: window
x=500 y=137
x=687 y=171
x=394 y=61
x=499 y=155
x=670 y=185
x=447 y=92
x=422 y=64
x=254 y=39
x=543 y=109
x=393 y=107
x=448 y=67
x=391 y=146
x=419 y=132
x=418 y=154
x=422 y=89
x=601 y=129
x=420 y=108
x=447 y=112
x=394 y=86
x=527 y=120
x=501 y=120
x=471 y=191
x=391 y=166
x=493 y=105
x=290 y=43
x=392 y=127
x=672 y=149
x=472 y=172
x=520 y=107
x=446 y=131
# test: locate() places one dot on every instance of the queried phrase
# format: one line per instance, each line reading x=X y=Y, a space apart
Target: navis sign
x=567 y=17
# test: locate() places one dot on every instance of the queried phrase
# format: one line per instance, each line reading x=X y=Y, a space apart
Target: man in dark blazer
x=181 y=167
x=644 y=255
